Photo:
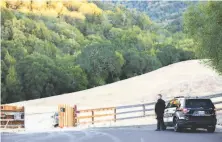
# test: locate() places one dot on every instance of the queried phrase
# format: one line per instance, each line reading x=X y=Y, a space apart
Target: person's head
x=159 y=96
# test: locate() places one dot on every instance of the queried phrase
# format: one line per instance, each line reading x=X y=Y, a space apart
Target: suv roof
x=188 y=97
x=179 y=97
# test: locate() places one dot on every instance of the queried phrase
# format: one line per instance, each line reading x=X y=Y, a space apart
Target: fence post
x=92 y=117
x=75 y=115
x=144 y=110
x=114 y=114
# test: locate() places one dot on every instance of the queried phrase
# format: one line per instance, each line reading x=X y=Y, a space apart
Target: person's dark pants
x=160 y=123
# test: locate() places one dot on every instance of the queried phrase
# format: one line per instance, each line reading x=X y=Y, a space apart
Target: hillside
x=51 y=48
x=184 y=78
x=168 y=14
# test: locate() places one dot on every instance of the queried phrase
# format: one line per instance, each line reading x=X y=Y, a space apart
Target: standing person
x=159 y=110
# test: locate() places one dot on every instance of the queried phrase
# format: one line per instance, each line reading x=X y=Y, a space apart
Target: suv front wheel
x=211 y=129
x=177 y=128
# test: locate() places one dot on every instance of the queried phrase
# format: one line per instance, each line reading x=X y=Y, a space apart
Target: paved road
x=127 y=134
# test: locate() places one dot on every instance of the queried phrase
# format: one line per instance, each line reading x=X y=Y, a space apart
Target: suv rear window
x=197 y=103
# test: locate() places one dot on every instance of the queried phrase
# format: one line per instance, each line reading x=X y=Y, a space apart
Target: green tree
x=13 y=89
x=168 y=55
x=6 y=14
x=98 y=60
x=138 y=63
x=36 y=73
x=50 y=48
x=68 y=77
x=204 y=24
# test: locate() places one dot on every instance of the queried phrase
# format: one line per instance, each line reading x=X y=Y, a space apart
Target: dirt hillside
x=184 y=78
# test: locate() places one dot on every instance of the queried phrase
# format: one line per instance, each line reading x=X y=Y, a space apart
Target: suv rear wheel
x=211 y=129
x=177 y=128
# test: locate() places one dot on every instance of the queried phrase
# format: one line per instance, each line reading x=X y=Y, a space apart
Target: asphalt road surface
x=121 y=134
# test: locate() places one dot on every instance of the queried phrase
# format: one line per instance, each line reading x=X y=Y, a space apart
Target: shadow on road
x=136 y=133
x=188 y=131
x=152 y=128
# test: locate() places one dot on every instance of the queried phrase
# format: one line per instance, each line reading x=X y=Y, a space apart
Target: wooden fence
x=132 y=112
x=12 y=116
x=92 y=114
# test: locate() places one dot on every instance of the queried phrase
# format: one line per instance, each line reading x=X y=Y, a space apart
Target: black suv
x=187 y=112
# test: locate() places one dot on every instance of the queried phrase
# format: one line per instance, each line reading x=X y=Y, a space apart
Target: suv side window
x=174 y=103
x=168 y=105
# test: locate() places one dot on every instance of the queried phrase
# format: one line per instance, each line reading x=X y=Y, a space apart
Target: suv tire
x=56 y=125
x=177 y=128
x=211 y=129
x=193 y=129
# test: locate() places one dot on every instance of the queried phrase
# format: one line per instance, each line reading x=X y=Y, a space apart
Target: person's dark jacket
x=159 y=108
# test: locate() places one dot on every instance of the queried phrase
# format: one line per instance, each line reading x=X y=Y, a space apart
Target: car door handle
x=166 y=110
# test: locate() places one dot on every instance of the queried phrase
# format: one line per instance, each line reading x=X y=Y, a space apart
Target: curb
x=219 y=128
x=42 y=131
x=12 y=130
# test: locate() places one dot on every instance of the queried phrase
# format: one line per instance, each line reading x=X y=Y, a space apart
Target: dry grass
x=184 y=78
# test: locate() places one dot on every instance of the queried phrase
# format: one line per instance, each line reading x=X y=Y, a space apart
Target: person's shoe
x=157 y=130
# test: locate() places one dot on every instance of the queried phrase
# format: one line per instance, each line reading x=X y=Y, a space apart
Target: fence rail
x=77 y=117
x=140 y=110
x=92 y=115
x=12 y=116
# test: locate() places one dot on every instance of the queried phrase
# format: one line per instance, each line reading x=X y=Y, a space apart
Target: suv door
x=165 y=117
x=174 y=104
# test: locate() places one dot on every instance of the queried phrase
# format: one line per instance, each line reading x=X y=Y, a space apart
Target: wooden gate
x=12 y=116
x=66 y=116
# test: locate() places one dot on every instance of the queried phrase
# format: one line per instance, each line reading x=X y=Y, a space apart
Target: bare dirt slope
x=184 y=78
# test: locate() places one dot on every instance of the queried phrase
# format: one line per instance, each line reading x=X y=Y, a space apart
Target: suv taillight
x=184 y=110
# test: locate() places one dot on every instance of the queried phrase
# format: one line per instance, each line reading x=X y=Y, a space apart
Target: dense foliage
x=204 y=24
x=168 y=14
x=53 y=48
